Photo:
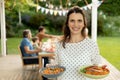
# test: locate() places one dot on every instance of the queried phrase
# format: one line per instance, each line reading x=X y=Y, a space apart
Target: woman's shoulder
x=89 y=40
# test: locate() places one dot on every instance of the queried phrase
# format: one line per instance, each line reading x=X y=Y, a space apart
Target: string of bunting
x=64 y=11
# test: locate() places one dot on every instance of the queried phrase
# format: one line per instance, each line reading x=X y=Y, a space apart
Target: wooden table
x=41 y=55
x=44 y=54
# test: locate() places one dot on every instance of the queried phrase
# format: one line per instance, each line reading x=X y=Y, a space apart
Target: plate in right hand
x=92 y=73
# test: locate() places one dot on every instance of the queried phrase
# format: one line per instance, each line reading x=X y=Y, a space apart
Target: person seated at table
x=27 y=48
x=35 y=43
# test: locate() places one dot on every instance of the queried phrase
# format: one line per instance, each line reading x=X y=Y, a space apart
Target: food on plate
x=96 y=70
x=55 y=70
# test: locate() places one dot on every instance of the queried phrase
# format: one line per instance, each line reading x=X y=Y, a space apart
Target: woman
x=76 y=49
x=41 y=35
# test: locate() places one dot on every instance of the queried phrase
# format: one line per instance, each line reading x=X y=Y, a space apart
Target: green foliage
x=9 y=31
x=111 y=7
x=100 y=25
x=53 y=23
x=64 y=3
x=36 y=20
x=19 y=30
x=111 y=26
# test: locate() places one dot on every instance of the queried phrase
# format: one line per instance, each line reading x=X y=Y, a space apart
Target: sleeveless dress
x=75 y=55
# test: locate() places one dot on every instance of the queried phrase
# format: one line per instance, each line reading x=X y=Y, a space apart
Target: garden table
x=41 y=55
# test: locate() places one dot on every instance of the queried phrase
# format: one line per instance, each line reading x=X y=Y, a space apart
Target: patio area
x=11 y=69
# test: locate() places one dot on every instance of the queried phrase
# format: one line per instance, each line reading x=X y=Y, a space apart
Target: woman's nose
x=75 y=24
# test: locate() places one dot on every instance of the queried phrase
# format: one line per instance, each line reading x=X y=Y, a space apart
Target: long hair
x=66 y=29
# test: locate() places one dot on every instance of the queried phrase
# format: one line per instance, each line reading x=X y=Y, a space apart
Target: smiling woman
x=75 y=49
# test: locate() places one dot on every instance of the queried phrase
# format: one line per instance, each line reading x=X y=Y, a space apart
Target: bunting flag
x=55 y=12
x=46 y=11
x=64 y=12
x=60 y=13
x=51 y=11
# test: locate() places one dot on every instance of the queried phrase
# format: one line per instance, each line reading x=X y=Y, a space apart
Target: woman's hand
x=104 y=66
x=48 y=65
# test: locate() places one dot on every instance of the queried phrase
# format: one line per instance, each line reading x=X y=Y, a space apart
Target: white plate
x=91 y=76
x=52 y=75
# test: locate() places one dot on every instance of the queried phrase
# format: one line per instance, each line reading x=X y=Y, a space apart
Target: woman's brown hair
x=66 y=29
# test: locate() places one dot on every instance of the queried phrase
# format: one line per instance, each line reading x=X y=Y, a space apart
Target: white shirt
x=75 y=55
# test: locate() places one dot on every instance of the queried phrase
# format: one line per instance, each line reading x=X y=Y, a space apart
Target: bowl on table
x=94 y=72
x=52 y=71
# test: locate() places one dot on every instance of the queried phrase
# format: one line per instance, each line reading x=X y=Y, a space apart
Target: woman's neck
x=76 y=38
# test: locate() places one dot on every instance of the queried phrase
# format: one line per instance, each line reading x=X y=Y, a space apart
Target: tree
x=110 y=7
x=19 y=6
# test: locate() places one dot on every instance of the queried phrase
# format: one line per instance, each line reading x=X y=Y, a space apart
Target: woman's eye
x=79 y=20
x=71 y=20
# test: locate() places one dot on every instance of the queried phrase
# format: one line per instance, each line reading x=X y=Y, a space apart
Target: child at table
x=35 y=42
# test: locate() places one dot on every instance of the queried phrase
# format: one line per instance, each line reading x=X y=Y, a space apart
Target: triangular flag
x=38 y=7
x=55 y=12
x=46 y=11
x=60 y=13
x=99 y=3
x=42 y=9
x=64 y=12
x=51 y=11
x=85 y=7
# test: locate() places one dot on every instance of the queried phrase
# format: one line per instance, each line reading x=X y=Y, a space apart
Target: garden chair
x=24 y=63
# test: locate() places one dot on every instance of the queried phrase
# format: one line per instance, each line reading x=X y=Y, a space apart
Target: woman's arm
x=96 y=58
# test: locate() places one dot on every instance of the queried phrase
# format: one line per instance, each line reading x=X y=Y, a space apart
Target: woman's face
x=76 y=23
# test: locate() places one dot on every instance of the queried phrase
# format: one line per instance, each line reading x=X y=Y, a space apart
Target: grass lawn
x=12 y=45
x=109 y=48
